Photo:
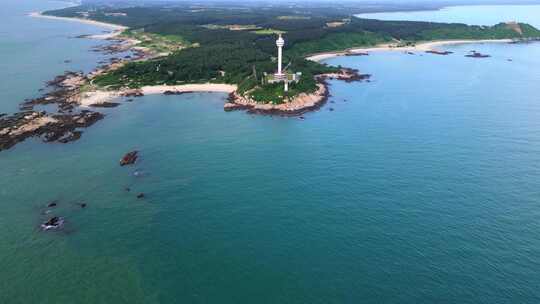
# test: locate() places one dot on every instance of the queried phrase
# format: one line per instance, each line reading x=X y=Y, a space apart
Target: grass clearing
x=269 y=32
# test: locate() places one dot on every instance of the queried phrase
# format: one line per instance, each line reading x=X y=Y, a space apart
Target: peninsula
x=267 y=60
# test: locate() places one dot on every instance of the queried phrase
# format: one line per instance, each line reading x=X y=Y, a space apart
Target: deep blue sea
x=423 y=186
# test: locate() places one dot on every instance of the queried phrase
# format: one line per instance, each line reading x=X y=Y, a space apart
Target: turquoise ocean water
x=422 y=186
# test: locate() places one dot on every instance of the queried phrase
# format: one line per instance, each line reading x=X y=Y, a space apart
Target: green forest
x=237 y=44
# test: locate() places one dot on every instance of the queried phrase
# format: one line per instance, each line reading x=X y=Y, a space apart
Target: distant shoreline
x=112 y=26
x=420 y=47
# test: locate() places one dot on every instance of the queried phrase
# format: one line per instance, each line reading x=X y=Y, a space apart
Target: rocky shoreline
x=300 y=104
x=62 y=128
x=64 y=92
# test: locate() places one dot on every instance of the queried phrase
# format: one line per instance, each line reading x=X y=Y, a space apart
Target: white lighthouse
x=280 y=75
x=280 y=43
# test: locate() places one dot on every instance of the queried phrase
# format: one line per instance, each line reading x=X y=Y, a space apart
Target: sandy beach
x=203 y=87
x=111 y=26
x=99 y=97
x=420 y=47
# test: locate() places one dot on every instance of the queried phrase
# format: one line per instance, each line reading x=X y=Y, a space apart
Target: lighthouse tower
x=280 y=75
x=280 y=43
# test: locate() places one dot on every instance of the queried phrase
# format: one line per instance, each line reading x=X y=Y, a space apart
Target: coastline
x=420 y=47
x=100 y=97
x=112 y=26
x=74 y=93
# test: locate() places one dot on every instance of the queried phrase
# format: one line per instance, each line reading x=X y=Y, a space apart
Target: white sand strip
x=422 y=47
x=100 y=97
x=203 y=87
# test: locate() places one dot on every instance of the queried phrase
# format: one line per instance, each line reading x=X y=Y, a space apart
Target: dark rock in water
x=140 y=195
x=67 y=61
x=475 y=54
x=357 y=54
x=133 y=93
x=82 y=205
x=70 y=136
x=508 y=60
x=3 y=114
x=331 y=109
x=26 y=107
x=129 y=100
x=105 y=105
x=53 y=223
x=52 y=204
x=130 y=158
x=435 y=52
x=301 y=118
x=127 y=189
x=177 y=92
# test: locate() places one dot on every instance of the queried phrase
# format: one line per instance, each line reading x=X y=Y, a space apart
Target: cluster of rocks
x=55 y=222
x=176 y=92
x=115 y=48
x=58 y=127
x=64 y=92
x=352 y=75
x=347 y=75
x=123 y=45
x=129 y=159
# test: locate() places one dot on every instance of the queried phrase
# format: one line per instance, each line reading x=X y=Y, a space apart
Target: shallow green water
x=422 y=186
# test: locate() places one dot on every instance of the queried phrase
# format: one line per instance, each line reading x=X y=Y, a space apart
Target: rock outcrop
x=57 y=127
x=129 y=159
